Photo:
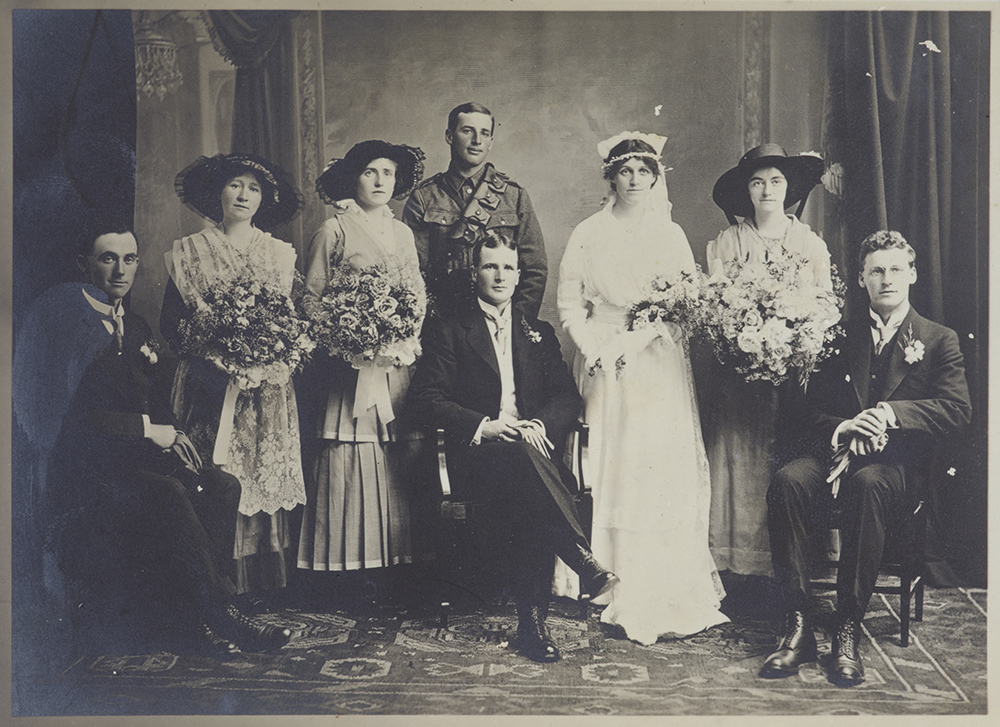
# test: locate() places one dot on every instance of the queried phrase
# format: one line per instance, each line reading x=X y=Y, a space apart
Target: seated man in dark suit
x=127 y=502
x=897 y=386
x=494 y=379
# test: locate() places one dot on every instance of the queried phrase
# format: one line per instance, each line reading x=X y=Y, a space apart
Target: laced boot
x=595 y=579
x=797 y=647
x=236 y=626
x=847 y=667
x=533 y=640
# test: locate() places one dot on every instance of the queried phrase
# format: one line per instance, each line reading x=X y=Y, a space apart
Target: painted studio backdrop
x=901 y=123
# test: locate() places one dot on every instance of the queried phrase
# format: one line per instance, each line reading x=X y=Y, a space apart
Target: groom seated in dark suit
x=493 y=378
x=879 y=406
x=128 y=505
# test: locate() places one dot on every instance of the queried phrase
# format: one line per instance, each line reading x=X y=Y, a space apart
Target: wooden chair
x=902 y=560
x=464 y=520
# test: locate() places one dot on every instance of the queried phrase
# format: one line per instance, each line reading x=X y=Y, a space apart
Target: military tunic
x=449 y=213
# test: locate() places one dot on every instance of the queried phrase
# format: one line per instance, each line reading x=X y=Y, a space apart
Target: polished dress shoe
x=595 y=579
x=847 y=667
x=236 y=626
x=533 y=640
x=797 y=647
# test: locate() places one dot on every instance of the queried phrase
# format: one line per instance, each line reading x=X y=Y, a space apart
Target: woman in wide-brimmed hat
x=742 y=417
x=360 y=511
x=251 y=433
x=646 y=451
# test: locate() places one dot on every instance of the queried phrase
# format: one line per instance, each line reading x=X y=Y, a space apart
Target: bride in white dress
x=647 y=467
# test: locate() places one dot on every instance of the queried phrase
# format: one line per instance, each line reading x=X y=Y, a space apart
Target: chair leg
x=584 y=602
x=445 y=610
x=918 y=606
x=904 y=610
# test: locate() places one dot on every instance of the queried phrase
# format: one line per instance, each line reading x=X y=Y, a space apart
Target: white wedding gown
x=647 y=463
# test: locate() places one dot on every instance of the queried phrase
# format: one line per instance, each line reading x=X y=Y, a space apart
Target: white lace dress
x=264 y=452
x=647 y=461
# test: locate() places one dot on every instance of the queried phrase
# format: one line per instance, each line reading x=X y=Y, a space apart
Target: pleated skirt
x=364 y=507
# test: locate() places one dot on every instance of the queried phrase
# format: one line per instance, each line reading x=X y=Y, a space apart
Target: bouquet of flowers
x=250 y=330
x=767 y=319
x=368 y=316
x=672 y=299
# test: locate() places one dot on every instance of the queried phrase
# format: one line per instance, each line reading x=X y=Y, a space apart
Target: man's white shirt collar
x=110 y=312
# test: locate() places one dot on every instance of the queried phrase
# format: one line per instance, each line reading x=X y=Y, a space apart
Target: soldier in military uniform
x=450 y=211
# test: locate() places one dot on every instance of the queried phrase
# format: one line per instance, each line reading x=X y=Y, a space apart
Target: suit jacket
x=102 y=434
x=457 y=381
x=929 y=396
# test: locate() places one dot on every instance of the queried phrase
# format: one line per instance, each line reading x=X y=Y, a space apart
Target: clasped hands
x=173 y=440
x=508 y=429
x=867 y=431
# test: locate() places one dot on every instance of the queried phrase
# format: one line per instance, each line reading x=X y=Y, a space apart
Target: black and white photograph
x=512 y=359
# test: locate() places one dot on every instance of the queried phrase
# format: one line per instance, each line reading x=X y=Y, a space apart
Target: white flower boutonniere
x=149 y=353
x=533 y=335
x=913 y=348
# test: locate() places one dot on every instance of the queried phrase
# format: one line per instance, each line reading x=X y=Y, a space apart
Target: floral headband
x=654 y=140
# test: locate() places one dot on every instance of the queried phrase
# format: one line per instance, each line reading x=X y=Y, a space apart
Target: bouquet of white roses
x=768 y=319
x=368 y=316
x=250 y=330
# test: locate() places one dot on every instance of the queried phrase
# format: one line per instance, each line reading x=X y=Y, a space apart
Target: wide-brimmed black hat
x=803 y=172
x=200 y=187
x=340 y=178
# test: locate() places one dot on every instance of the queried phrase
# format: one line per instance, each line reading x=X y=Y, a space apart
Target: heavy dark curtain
x=259 y=43
x=74 y=129
x=907 y=117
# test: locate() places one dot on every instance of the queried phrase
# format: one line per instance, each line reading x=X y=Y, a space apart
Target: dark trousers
x=799 y=498
x=538 y=512
x=166 y=538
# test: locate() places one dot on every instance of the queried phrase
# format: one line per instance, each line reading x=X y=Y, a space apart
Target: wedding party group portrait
x=520 y=362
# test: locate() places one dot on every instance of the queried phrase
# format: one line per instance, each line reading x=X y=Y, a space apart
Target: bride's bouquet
x=674 y=299
x=769 y=319
x=250 y=330
x=368 y=316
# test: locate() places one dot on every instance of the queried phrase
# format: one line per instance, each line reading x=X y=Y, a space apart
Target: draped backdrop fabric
x=907 y=118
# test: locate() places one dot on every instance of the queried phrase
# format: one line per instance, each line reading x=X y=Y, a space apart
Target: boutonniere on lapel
x=148 y=350
x=533 y=335
x=913 y=348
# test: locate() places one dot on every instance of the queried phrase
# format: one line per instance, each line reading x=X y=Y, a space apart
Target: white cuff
x=890 y=415
x=479 y=433
x=147 y=426
x=541 y=425
x=835 y=441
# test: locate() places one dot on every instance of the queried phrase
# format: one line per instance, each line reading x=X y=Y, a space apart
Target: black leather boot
x=236 y=626
x=847 y=667
x=533 y=640
x=797 y=647
x=596 y=580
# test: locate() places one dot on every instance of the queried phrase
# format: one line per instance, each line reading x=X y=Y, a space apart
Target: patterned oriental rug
x=399 y=663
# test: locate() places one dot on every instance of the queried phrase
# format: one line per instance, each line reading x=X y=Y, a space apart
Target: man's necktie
x=883 y=336
x=501 y=332
x=116 y=321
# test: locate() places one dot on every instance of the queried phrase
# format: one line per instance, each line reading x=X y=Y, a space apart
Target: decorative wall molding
x=756 y=71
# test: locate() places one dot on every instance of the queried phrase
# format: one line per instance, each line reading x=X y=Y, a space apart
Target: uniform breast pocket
x=503 y=217
x=443 y=217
